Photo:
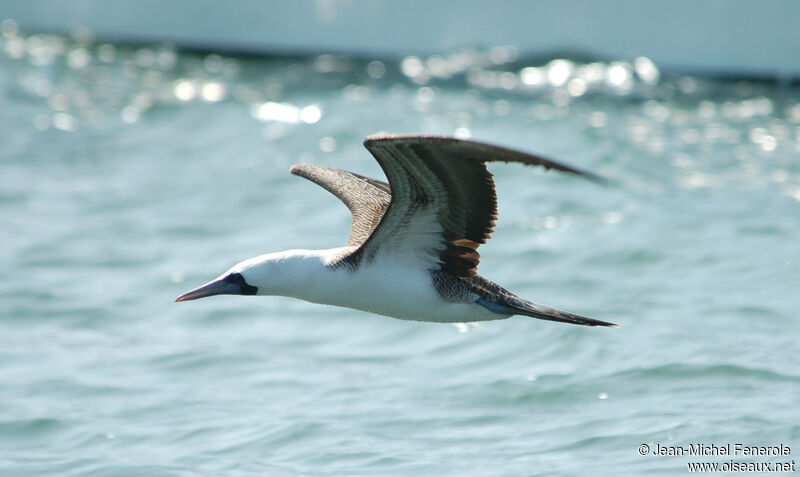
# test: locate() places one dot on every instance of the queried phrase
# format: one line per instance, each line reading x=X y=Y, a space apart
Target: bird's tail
x=527 y=308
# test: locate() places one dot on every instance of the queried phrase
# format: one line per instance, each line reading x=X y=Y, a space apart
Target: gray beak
x=233 y=284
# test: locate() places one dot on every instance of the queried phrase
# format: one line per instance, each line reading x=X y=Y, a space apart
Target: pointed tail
x=527 y=308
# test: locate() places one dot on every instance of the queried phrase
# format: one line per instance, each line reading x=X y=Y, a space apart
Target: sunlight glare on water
x=130 y=174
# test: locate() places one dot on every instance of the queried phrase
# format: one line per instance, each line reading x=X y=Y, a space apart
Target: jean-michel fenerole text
x=722 y=450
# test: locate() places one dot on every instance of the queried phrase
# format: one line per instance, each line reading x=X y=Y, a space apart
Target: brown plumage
x=450 y=176
x=366 y=198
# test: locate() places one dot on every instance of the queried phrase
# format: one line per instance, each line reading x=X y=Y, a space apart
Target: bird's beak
x=220 y=286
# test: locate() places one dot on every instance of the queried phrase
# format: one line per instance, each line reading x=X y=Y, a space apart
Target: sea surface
x=130 y=174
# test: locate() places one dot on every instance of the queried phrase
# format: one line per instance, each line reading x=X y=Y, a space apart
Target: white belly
x=394 y=290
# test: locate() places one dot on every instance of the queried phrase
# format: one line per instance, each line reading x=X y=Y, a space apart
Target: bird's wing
x=366 y=198
x=443 y=203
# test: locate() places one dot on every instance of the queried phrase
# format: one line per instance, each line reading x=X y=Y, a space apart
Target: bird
x=412 y=252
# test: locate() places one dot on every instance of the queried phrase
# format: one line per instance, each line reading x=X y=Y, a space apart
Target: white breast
x=392 y=289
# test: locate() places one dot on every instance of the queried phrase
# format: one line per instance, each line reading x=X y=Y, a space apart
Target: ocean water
x=131 y=174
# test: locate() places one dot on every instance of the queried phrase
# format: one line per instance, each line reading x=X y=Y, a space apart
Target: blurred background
x=145 y=149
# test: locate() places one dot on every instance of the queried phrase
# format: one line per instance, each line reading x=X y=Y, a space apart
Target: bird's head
x=232 y=282
x=271 y=274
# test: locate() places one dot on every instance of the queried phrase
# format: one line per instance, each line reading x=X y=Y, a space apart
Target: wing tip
x=591 y=176
x=305 y=170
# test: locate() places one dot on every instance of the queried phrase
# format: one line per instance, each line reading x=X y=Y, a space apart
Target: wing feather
x=366 y=198
x=444 y=178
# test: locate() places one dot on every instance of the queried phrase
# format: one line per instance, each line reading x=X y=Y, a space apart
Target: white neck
x=300 y=274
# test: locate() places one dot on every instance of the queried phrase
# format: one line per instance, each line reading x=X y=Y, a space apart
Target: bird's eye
x=244 y=287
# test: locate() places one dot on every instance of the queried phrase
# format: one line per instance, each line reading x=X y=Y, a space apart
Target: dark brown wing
x=443 y=202
x=366 y=198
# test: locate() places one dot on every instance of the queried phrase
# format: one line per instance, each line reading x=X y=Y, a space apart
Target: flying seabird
x=412 y=251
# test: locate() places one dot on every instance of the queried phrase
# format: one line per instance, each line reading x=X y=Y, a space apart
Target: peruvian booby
x=412 y=251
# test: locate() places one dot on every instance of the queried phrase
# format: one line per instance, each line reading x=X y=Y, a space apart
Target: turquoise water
x=129 y=175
